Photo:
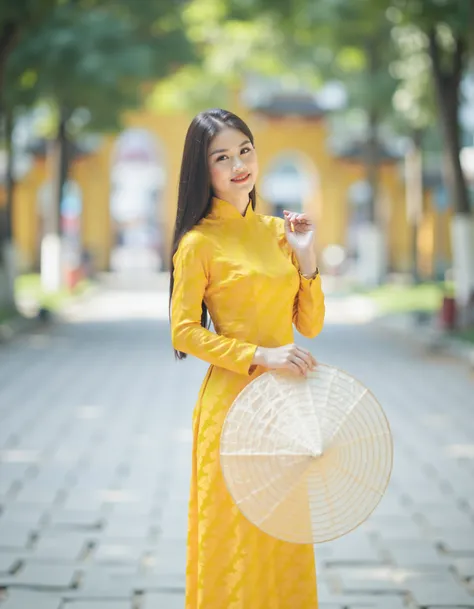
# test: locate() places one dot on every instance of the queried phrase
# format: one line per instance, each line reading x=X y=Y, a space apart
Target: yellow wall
x=273 y=136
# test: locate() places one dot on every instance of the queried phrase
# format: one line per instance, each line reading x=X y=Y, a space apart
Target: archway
x=359 y=197
x=136 y=202
x=367 y=237
x=290 y=182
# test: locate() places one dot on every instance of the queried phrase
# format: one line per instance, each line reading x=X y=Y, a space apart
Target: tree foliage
x=95 y=58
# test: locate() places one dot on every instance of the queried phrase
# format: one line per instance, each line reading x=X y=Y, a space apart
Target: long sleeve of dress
x=191 y=276
x=309 y=307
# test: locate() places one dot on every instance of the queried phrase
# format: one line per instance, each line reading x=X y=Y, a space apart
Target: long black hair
x=195 y=190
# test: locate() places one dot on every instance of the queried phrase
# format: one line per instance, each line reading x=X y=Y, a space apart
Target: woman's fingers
x=304 y=360
x=295 y=368
x=308 y=357
x=301 y=363
x=297 y=222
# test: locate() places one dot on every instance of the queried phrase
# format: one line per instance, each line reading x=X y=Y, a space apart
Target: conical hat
x=306 y=459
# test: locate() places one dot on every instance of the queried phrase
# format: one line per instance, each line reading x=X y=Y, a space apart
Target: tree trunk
x=9 y=178
x=51 y=245
x=7 y=249
x=447 y=85
x=372 y=152
x=61 y=167
x=8 y=38
x=372 y=165
x=371 y=241
x=414 y=195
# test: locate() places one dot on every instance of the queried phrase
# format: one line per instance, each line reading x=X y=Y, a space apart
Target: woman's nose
x=237 y=163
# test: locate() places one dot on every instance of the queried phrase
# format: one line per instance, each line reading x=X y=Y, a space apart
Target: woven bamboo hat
x=306 y=459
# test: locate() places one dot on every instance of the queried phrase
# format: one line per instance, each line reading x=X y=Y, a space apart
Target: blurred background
x=363 y=116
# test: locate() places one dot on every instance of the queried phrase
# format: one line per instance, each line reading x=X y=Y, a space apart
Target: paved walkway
x=95 y=459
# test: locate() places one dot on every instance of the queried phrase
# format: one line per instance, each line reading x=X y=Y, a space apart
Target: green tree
x=15 y=19
x=347 y=41
x=96 y=57
x=232 y=45
x=445 y=29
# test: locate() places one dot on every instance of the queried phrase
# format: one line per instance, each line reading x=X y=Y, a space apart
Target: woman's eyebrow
x=225 y=149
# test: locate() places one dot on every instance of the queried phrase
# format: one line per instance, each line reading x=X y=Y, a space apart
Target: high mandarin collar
x=225 y=210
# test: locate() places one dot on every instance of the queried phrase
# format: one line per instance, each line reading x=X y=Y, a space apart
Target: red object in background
x=448 y=313
x=73 y=276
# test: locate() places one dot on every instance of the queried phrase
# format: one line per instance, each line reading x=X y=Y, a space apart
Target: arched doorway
x=367 y=237
x=359 y=198
x=136 y=202
x=290 y=182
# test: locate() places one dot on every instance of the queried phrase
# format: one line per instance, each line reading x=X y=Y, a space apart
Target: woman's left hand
x=299 y=231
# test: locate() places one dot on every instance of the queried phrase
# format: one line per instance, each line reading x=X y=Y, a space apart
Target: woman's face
x=233 y=164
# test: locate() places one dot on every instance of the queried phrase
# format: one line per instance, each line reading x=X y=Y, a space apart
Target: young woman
x=255 y=276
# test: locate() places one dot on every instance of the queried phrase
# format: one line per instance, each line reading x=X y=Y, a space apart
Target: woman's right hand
x=288 y=357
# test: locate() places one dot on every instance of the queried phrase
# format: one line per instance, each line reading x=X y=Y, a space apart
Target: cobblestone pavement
x=95 y=447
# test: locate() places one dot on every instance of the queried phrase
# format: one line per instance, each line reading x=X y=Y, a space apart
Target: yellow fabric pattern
x=244 y=270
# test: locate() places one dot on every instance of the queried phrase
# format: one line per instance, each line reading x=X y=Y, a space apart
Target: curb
x=17 y=325
x=20 y=324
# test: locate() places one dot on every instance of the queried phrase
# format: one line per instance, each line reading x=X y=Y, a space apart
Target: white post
x=462 y=240
x=372 y=255
x=51 y=266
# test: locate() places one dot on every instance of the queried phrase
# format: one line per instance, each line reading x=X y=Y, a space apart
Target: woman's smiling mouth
x=243 y=177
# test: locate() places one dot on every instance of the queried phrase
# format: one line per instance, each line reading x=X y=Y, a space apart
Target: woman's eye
x=244 y=150
x=221 y=157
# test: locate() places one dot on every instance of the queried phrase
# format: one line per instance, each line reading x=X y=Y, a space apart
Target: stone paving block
x=11 y=473
x=125 y=528
x=457 y=540
x=390 y=505
x=14 y=536
x=443 y=594
x=354 y=547
x=98 y=604
x=15 y=514
x=381 y=602
x=440 y=517
x=174 y=523
x=8 y=562
x=81 y=500
x=66 y=548
x=134 y=510
x=157 y=582
x=158 y=600
x=119 y=551
x=23 y=599
x=431 y=493
x=35 y=492
x=100 y=581
x=415 y=553
x=44 y=576
x=464 y=567
x=368 y=585
x=359 y=601
x=170 y=557
x=81 y=519
x=383 y=581
x=393 y=527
